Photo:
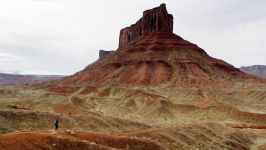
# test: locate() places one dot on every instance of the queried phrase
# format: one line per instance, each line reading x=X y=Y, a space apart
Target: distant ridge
x=17 y=79
x=257 y=70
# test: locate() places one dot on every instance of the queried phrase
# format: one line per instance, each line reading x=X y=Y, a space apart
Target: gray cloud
x=64 y=37
x=6 y=57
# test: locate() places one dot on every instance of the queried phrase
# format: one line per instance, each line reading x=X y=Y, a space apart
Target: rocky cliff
x=156 y=19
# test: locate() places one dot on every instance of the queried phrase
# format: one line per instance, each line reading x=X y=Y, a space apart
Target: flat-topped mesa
x=156 y=19
x=104 y=53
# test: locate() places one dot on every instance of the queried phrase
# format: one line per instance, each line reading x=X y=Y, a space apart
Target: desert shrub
x=12 y=106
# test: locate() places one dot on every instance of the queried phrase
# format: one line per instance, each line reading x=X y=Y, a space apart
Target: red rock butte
x=156 y=19
x=150 y=53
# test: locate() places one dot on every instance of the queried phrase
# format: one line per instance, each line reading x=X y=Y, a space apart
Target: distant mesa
x=104 y=53
x=19 y=79
x=156 y=19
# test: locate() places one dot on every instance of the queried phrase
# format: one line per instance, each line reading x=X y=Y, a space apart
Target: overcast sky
x=64 y=36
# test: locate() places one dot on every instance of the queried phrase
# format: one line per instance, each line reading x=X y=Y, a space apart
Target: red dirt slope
x=158 y=58
x=77 y=141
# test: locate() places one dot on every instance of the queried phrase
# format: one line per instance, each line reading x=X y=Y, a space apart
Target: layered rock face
x=103 y=53
x=156 y=19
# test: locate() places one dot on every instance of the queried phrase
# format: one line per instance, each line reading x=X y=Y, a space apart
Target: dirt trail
x=67 y=140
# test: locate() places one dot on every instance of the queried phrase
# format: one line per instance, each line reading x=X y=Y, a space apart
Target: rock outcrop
x=156 y=19
x=103 y=53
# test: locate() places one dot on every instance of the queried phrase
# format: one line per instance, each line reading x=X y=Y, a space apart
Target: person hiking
x=56 y=124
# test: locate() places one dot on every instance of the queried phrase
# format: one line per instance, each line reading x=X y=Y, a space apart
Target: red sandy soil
x=156 y=138
x=243 y=126
x=62 y=89
x=262 y=147
x=78 y=140
x=89 y=89
x=66 y=109
x=104 y=93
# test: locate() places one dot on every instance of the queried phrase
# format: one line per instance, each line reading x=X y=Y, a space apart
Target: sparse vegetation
x=12 y=106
